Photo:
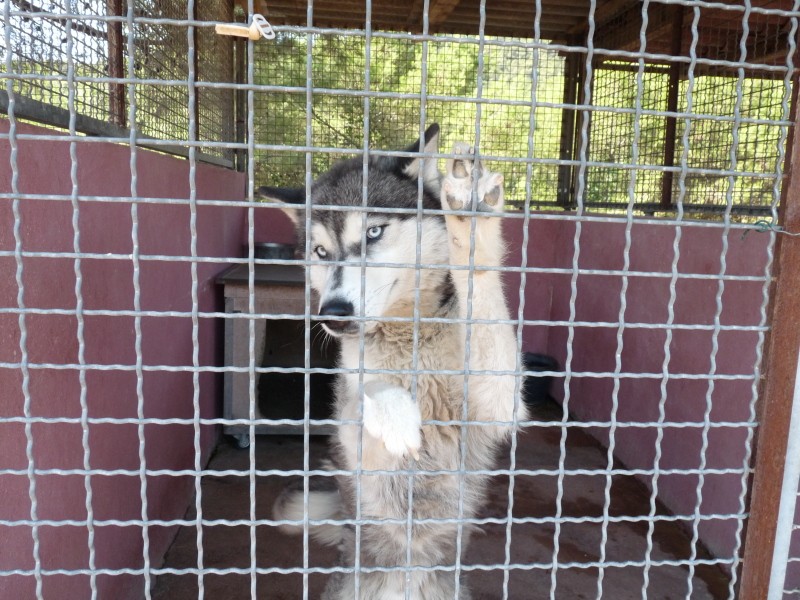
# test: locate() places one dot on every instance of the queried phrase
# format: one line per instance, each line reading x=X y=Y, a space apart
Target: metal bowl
x=272 y=250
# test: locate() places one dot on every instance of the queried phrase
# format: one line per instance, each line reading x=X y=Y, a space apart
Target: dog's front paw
x=468 y=186
x=391 y=415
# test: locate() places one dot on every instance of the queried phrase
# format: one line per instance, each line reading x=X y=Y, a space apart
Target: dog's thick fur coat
x=393 y=405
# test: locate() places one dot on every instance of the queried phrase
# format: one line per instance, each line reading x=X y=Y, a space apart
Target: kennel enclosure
x=646 y=148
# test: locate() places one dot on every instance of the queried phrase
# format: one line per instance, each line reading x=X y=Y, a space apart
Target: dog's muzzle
x=338 y=308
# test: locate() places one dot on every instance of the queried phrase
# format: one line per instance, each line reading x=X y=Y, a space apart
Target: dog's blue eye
x=373 y=233
x=320 y=251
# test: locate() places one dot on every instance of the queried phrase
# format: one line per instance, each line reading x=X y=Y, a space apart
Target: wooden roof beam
x=438 y=13
x=440 y=10
x=623 y=33
x=603 y=13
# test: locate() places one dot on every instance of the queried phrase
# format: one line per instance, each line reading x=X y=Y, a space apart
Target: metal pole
x=791 y=479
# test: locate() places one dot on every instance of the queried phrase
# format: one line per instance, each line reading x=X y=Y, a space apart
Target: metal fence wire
x=451 y=78
x=643 y=147
x=43 y=40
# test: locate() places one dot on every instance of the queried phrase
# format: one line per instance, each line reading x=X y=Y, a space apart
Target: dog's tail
x=324 y=502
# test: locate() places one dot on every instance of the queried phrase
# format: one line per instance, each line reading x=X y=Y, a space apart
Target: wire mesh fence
x=715 y=42
x=92 y=37
x=629 y=476
x=39 y=45
x=339 y=60
x=395 y=76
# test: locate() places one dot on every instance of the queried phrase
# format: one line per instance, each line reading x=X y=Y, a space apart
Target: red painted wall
x=107 y=284
x=594 y=348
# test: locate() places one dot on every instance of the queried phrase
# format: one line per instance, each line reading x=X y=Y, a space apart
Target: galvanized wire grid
x=337 y=113
x=751 y=180
x=43 y=47
x=44 y=40
x=716 y=93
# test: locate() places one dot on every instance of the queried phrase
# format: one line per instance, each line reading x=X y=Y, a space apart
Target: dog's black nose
x=337 y=308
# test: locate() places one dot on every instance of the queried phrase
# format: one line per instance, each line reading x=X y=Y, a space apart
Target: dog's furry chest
x=391 y=349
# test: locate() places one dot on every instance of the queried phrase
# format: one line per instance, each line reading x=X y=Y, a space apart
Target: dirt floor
x=227 y=497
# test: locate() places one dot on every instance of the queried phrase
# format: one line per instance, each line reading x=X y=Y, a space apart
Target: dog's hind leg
x=476 y=243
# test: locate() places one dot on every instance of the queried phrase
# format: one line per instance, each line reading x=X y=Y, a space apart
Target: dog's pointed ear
x=410 y=166
x=294 y=200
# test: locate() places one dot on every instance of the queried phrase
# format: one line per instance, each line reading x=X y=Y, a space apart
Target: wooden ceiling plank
x=604 y=12
x=624 y=34
x=440 y=10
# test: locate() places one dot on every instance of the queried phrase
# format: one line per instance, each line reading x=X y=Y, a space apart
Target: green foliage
x=317 y=84
x=396 y=80
x=525 y=147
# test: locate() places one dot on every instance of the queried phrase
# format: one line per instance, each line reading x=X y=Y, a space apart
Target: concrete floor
x=229 y=546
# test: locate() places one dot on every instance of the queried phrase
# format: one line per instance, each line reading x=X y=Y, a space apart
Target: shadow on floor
x=530 y=551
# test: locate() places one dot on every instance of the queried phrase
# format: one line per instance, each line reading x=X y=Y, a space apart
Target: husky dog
x=394 y=404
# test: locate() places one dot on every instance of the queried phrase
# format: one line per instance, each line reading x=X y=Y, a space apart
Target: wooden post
x=675 y=69
x=198 y=96
x=240 y=98
x=116 y=91
x=583 y=116
x=566 y=150
x=229 y=96
x=777 y=384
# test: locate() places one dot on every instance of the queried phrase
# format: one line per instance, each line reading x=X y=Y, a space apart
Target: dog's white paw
x=459 y=188
x=391 y=415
